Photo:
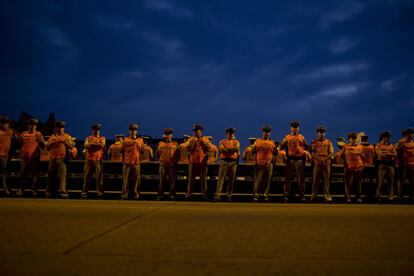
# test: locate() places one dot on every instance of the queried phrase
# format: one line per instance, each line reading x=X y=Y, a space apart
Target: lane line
x=68 y=251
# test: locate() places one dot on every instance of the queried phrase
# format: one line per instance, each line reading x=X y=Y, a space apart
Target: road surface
x=74 y=237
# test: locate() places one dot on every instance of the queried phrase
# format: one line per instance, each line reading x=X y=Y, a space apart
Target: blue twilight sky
x=163 y=63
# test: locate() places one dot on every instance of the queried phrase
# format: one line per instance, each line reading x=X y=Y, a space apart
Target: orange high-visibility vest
x=229 y=144
x=353 y=157
x=264 y=151
x=338 y=158
x=30 y=144
x=115 y=152
x=73 y=153
x=167 y=152
x=368 y=153
x=146 y=154
x=321 y=148
x=183 y=152
x=5 y=142
x=280 y=157
x=408 y=154
x=95 y=153
x=212 y=153
x=57 y=150
x=199 y=152
x=249 y=155
x=132 y=148
x=386 y=149
x=44 y=155
x=296 y=145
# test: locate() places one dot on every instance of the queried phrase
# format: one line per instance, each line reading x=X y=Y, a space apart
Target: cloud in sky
x=344 y=11
x=169 y=7
x=60 y=40
x=117 y=24
x=341 y=91
x=171 y=47
x=398 y=82
x=220 y=63
x=342 y=45
x=335 y=71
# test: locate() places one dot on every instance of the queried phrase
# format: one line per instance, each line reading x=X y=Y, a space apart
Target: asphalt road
x=74 y=237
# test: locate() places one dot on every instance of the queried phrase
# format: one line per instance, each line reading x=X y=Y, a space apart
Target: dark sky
x=346 y=64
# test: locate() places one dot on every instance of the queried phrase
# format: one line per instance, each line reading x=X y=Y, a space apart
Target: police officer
x=95 y=147
x=114 y=151
x=213 y=152
x=322 y=151
x=132 y=146
x=57 y=146
x=406 y=149
x=167 y=153
x=281 y=154
x=31 y=141
x=338 y=158
x=198 y=147
x=146 y=153
x=73 y=152
x=183 y=150
x=296 y=159
x=386 y=161
x=368 y=151
x=353 y=167
x=229 y=149
x=7 y=146
x=265 y=150
x=248 y=155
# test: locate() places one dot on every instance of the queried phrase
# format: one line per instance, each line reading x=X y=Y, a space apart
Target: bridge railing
x=112 y=172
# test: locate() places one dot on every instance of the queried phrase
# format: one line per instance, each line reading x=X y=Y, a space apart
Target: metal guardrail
x=150 y=178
